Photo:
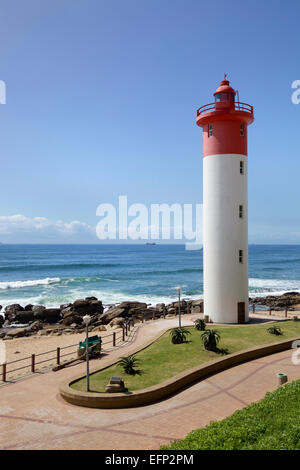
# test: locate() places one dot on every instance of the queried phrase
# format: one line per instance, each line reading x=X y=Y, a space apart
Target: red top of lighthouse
x=224 y=87
x=225 y=104
x=225 y=122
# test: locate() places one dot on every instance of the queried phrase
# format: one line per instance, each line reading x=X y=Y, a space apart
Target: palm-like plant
x=179 y=335
x=200 y=324
x=275 y=330
x=210 y=339
x=129 y=363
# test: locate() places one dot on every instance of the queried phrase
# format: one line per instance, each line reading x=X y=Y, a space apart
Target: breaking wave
x=32 y=283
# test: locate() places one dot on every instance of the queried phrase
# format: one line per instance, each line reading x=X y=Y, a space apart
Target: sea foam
x=31 y=283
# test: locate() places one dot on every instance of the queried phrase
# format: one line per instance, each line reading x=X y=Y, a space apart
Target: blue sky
x=102 y=99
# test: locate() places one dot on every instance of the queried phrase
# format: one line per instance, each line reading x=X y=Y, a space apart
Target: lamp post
x=86 y=320
x=179 y=312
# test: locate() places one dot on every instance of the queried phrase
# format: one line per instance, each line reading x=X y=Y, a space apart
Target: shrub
x=200 y=324
x=179 y=335
x=270 y=424
x=128 y=364
x=210 y=339
x=275 y=330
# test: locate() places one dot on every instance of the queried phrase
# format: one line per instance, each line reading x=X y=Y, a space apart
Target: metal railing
x=238 y=106
x=117 y=337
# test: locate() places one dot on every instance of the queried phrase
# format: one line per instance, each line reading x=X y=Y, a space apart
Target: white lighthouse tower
x=225 y=205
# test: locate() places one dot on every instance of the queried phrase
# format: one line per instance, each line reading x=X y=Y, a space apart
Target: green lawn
x=163 y=359
x=271 y=424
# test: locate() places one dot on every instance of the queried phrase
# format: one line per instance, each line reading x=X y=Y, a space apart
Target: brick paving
x=34 y=416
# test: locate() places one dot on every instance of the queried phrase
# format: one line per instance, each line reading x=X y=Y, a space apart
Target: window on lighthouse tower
x=224 y=97
x=240 y=256
x=241 y=167
x=210 y=130
x=242 y=130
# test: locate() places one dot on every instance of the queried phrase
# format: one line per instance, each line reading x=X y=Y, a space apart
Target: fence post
x=188 y=308
x=285 y=312
x=270 y=310
x=253 y=308
x=4 y=372
x=32 y=363
x=58 y=356
x=143 y=317
x=153 y=315
x=123 y=333
x=126 y=329
x=164 y=312
x=114 y=338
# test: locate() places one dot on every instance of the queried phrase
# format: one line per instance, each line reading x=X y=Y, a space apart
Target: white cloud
x=18 y=225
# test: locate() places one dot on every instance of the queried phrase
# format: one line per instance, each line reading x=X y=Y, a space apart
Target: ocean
x=54 y=274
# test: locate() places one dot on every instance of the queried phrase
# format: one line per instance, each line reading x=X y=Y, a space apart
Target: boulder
x=88 y=307
x=96 y=307
x=36 y=326
x=128 y=306
x=17 y=332
x=38 y=311
x=117 y=321
x=183 y=305
x=112 y=313
x=171 y=311
x=197 y=306
x=50 y=315
x=24 y=316
x=67 y=310
x=28 y=307
x=80 y=305
x=70 y=318
x=42 y=333
x=11 y=310
x=1 y=321
x=63 y=306
x=99 y=328
x=160 y=307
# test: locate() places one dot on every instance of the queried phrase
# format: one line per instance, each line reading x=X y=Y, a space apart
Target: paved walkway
x=33 y=415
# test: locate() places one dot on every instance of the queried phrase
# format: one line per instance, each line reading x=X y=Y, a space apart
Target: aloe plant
x=275 y=330
x=210 y=339
x=129 y=364
x=200 y=324
x=179 y=335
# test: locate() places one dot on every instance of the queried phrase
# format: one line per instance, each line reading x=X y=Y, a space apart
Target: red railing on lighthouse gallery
x=238 y=106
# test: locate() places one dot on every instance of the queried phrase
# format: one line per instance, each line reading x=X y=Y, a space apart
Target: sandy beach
x=46 y=347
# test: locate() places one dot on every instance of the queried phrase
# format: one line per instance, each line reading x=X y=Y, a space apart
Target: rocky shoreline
x=278 y=302
x=38 y=320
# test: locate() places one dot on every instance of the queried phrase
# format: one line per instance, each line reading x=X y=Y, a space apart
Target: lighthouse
x=225 y=205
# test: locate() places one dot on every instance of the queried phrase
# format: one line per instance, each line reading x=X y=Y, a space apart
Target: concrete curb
x=170 y=386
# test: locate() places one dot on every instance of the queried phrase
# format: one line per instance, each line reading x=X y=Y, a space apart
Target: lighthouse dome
x=224 y=92
x=224 y=88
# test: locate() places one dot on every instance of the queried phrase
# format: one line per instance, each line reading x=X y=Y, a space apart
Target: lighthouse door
x=241 y=312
